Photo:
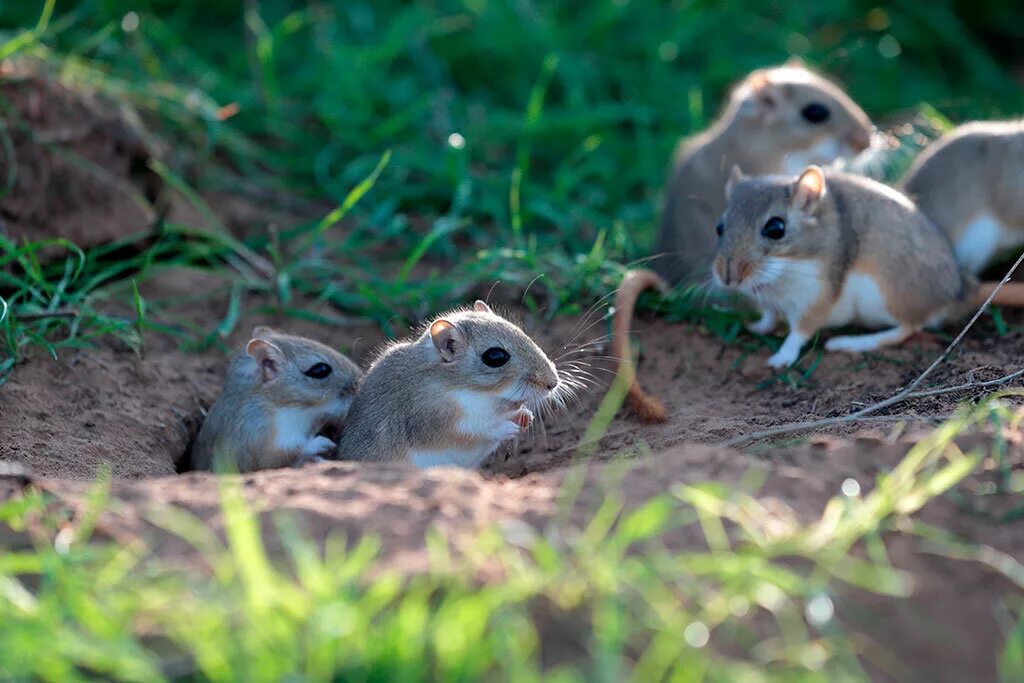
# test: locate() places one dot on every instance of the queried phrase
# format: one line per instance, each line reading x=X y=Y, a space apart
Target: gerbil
x=971 y=184
x=450 y=397
x=828 y=249
x=279 y=396
x=777 y=120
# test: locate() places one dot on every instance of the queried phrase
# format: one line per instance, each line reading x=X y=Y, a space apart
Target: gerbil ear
x=809 y=190
x=735 y=176
x=267 y=356
x=261 y=332
x=447 y=340
x=481 y=307
x=796 y=62
x=761 y=97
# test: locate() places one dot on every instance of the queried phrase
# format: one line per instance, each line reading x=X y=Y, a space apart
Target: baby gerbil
x=971 y=184
x=451 y=396
x=828 y=249
x=280 y=396
x=777 y=120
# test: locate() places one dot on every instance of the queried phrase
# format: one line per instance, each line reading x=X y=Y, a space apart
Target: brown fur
x=239 y=430
x=976 y=169
x=760 y=126
x=407 y=400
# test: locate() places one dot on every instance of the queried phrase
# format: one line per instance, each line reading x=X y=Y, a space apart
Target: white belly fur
x=861 y=302
x=982 y=239
x=294 y=427
x=823 y=153
x=478 y=412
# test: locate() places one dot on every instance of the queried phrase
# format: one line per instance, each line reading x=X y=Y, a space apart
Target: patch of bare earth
x=79 y=165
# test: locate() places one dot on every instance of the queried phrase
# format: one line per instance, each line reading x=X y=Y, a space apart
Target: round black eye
x=815 y=113
x=719 y=228
x=319 y=371
x=774 y=229
x=495 y=357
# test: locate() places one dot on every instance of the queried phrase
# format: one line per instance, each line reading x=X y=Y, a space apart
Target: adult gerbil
x=828 y=249
x=468 y=383
x=280 y=397
x=777 y=120
x=971 y=184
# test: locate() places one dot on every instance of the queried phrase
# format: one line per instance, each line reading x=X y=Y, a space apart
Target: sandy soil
x=62 y=419
x=80 y=163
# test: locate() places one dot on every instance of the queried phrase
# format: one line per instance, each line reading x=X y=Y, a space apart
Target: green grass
x=757 y=604
x=524 y=142
x=447 y=146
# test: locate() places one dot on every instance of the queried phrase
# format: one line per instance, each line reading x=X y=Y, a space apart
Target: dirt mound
x=65 y=419
x=946 y=631
x=79 y=168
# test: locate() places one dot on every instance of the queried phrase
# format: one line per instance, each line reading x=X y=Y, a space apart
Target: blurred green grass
x=527 y=138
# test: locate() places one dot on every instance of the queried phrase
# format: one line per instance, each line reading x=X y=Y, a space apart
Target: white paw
x=516 y=422
x=852 y=344
x=783 y=358
x=765 y=325
x=318 y=448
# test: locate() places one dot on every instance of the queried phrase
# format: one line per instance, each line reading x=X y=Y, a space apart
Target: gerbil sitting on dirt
x=778 y=120
x=829 y=249
x=450 y=397
x=279 y=396
x=971 y=184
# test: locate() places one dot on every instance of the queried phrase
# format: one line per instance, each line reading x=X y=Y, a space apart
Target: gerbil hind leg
x=857 y=343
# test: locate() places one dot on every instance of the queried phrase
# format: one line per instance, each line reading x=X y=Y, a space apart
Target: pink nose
x=859 y=140
x=732 y=271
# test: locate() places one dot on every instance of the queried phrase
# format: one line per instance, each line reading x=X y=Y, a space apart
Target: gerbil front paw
x=765 y=325
x=789 y=352
x=317 y=449
x=523 y=417
x=517 y=421
x=783 y=358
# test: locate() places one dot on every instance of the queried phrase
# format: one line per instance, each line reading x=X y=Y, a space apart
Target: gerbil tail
x=647 y=407
x=1010 y=295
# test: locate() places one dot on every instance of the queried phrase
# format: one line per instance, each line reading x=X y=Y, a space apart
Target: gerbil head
x=300 y=371
x=479 y=350
x=767 y=220
x=804 y=114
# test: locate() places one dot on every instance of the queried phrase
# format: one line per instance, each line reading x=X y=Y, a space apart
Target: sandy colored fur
x=975 y=170
x=240 y=429
x=406 y=401
x=759 y=144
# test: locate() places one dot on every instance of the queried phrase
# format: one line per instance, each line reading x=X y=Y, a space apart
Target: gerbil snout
x=858 y=140
x=545 y=381
x=732 y=272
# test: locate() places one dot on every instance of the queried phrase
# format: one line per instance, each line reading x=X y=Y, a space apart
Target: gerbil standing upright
x=279 y=398
x=971 y=184
x=452 y=396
